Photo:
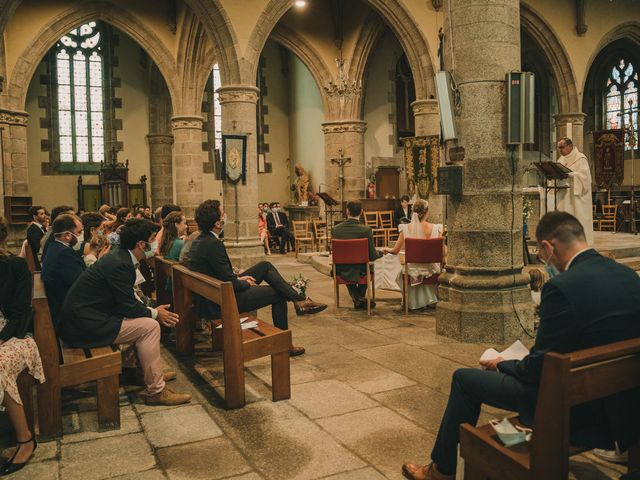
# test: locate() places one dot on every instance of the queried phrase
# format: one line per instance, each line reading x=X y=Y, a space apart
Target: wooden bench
x=238 y=345
x=567 y=380
x=69 y=367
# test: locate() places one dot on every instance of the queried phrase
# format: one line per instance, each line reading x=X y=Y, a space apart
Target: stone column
x=427 y=123
x=348 y=136
x=483 y=286
x=187 y=161
x=14 y=142
x=570 y=125
x=238 y=104
x=160 y=159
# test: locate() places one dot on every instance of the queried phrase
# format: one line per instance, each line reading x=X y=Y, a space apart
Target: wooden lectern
x=552 y=171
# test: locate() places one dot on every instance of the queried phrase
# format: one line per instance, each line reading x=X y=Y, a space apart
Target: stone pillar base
x=485 y=315
x=244 y=254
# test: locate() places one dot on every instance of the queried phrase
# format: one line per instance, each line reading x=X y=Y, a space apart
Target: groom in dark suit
x=209 y=256
x=351 y=229
x=593 y=301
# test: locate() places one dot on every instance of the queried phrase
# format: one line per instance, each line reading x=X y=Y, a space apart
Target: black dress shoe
x=362 y=305
x=9 y=467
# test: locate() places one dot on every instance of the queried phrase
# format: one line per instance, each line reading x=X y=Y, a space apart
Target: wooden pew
x=162 y=272
x=69 y=367
x=238 y=345
x=567 y=380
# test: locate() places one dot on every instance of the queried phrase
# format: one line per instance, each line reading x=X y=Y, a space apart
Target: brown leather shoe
x=424 y=472
x=308 y=307
x=296 y=351
x=167 y=397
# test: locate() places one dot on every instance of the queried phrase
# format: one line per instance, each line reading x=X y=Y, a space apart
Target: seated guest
x=278 y=225
x=36 y=232
x=17 y=350
x=402 y=214
x=593 y=301
x=350 y=229
x=122 y=215
x=62 y=265
x=263 y=231
x=91 y=225
x=48 y=238
x=105 y=212
x=101 y=310
x=175 y=228
x=99 y=246
x=164 y=211
x=209 y=256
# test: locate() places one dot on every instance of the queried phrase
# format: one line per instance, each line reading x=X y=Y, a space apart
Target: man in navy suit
x=35 y=232
x=593 y=301
x=62 y=265
x=278 y=225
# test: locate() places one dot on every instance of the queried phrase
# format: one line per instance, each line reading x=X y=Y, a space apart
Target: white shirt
x=215 y=234
x=154 y=312
x=572 y=258
x=44 y=230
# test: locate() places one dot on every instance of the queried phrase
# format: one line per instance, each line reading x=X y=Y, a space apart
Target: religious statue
x=371 y=187
x=301 y=185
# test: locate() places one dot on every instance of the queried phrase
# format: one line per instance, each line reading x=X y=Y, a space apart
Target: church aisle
x=367 y=396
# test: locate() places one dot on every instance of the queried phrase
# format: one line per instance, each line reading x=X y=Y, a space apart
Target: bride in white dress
x=389 y=273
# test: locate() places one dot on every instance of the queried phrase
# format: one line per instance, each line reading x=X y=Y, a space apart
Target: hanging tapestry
x=234 y=157
x=421 y=159
x=609 y=157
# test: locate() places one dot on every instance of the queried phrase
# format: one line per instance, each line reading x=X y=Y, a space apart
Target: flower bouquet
x=300 y=284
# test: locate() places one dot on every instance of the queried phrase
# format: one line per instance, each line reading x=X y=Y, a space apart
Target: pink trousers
x=144 y=334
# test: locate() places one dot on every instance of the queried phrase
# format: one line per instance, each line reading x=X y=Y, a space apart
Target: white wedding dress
x=388 y=270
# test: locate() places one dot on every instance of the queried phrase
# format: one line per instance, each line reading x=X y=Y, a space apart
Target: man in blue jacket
x=62 y=265
x=593 y=301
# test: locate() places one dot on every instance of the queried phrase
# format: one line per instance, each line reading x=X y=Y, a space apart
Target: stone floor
x=367 y=396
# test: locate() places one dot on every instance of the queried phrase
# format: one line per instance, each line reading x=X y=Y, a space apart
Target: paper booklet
x=244 y=324
x=517 y=351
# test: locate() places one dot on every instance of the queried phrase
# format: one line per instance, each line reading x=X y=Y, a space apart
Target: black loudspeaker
x=520 y=107
x=450 y=180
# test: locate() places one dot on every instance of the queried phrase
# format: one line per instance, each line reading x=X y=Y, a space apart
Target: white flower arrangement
x=300 y=284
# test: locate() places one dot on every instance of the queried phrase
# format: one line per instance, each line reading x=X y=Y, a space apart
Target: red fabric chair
x=352 y=252
x=420 y=250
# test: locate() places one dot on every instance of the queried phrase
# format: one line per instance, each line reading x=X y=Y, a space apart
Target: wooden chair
x=67 y=367
x=608 y=220
x=372 y=220
x=420 y=250
x=596 y=221
x=567 y=380
x=238 y=345
x=386 y=223
x=321 y=234
x=302 y=234
x=352 y=252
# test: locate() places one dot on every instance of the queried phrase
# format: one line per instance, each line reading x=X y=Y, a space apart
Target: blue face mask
x=551 y=270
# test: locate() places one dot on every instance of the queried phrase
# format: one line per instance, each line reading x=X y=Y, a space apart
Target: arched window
x=217 y=110
x=622 y=86
x=80 y=94
x=405 y=96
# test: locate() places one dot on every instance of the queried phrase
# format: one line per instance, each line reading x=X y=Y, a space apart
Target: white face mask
x=153 y=246
x=80 y=239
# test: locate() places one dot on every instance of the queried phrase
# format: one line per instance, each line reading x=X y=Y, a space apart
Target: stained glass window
x=622 y=88
x=80 y=96
x=217 y=110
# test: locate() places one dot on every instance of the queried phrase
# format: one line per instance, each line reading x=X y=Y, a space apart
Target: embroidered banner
x=609 y=157
x=234 y=157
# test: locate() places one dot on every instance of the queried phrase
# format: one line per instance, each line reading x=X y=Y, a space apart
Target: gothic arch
x=308 y=55
x=217 y=24
x=195 y=59
x=29 y=59
x=564 y=79
x=371 y=32
x=393 y=12
x=625 y=31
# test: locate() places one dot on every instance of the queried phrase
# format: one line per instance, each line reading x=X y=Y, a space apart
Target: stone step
x=631 y=262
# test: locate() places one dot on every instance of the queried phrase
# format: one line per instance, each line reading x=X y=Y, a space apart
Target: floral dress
x=16 y=354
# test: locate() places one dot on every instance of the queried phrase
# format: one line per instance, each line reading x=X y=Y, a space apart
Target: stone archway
x=541 y=33
x=30 y=58
x=393 y=12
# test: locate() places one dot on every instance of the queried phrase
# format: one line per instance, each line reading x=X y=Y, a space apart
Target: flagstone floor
x=367 y=396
